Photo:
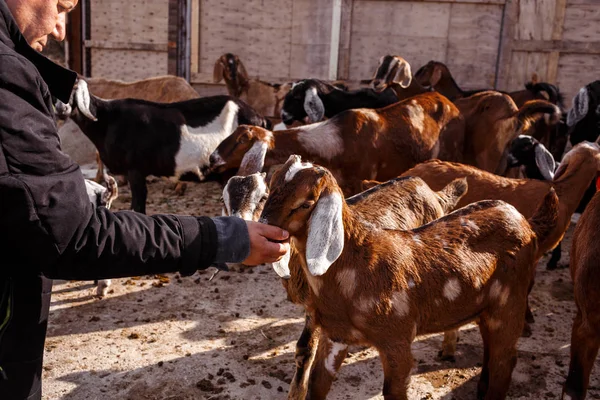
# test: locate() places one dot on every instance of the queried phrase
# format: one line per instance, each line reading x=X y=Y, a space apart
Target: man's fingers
x=274 y=251
x=273 y=233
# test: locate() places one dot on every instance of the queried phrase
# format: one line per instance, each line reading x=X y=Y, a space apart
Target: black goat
x=316 y=99
x=138 y=138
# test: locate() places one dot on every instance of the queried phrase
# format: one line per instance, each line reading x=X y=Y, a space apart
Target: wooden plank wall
x=277 y=40
x=464 y=35
x=128 y=38
x=559 y=40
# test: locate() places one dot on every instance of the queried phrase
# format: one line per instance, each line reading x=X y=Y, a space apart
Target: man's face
x=38 y=19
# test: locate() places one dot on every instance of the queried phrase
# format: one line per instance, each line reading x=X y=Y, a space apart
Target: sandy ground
x=233 y=337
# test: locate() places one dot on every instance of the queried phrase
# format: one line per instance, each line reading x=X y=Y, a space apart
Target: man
x=50 y=228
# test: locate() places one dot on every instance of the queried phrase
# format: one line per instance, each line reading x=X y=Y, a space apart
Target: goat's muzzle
x=379 y=85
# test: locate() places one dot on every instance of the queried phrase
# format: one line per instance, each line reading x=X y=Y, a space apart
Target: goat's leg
x=139 y=191
x=555 y=258
x=584 y=349
x=449 y=346
x=500 y=331
x=484 y=378
x=328 y=361
x=100 y=170
x=102 y=288
x=306 y=350
x=397 y=362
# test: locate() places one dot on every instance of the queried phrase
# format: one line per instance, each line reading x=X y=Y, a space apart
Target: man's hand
x=263 y=243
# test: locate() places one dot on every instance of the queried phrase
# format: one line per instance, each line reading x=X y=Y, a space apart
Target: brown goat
x=492 y=121
x=361 y=143
x=552 y=135
x=375 y=287
x=402 y=203
x=266 y=98
x=585 y=272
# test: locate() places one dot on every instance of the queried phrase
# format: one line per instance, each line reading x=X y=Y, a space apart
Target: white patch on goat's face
x=401 y=303
x=452 y=289
x=336 y=348
x=226 y=202
x=322 y=139
x=494 y=324
x=197 y=143
x=295 y=168
x=254 y=159
x=416 y=116
x=294 y=84
x=347 y=280
x=411 y=283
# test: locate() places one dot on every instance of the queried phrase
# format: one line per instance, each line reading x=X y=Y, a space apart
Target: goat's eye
x=306 y=205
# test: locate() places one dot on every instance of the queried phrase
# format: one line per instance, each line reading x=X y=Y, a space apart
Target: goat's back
x=162 y=89
x=524 y=194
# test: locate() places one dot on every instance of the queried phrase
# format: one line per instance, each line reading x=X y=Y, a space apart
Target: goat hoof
x=526 y=331
x=443 y=357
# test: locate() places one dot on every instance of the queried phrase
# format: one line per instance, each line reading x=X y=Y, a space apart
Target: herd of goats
x=413 y=206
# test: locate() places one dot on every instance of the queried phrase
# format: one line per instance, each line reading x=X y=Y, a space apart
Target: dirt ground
x=233 y=337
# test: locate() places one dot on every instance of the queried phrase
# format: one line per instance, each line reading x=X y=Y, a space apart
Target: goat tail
x=545 y=217
x=533 y=110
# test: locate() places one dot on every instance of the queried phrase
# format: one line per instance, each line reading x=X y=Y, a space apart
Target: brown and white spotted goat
x=383 y=287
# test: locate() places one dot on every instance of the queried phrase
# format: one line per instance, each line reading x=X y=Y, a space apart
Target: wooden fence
x=485 y=43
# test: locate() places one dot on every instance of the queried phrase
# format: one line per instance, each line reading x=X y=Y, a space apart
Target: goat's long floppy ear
x=404 y=76
x=82 y=98
x=282 y=267
x=325 y=234
x=580 y=107
x=436 y=75
x=313 y=105
x=218 y=71
x=545 y=162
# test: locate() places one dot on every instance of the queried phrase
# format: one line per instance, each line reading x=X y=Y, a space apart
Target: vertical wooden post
x=343 y=71
x=510 y=18
x=557 y=32
x=195 y=38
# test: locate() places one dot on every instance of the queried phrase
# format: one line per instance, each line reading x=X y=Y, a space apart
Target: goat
x=571 y=180
x=394 y=72
x=585 y=336
x=140 y=138
x=359 y=144
x=437 y=75
x=492 y=121
x=102 y=196
x=538 y=164
x=528 y=152
x=401 y=203
x=266 y=98
x=583 y=118
x=373 y=286
x=553 y=136
x=311 y=100
x=160 y=89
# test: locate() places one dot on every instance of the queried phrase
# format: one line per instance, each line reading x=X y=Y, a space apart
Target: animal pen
x=485 y=43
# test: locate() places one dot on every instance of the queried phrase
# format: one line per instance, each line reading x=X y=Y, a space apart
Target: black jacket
x=49 y=227
x=49 y=224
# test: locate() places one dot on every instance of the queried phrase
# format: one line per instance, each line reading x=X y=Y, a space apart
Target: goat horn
x=82 y=96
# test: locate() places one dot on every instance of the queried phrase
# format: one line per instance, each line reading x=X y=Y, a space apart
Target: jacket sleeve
x=54 y=229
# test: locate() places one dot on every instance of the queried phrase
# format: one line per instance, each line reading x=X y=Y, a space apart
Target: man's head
x=38 y=19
